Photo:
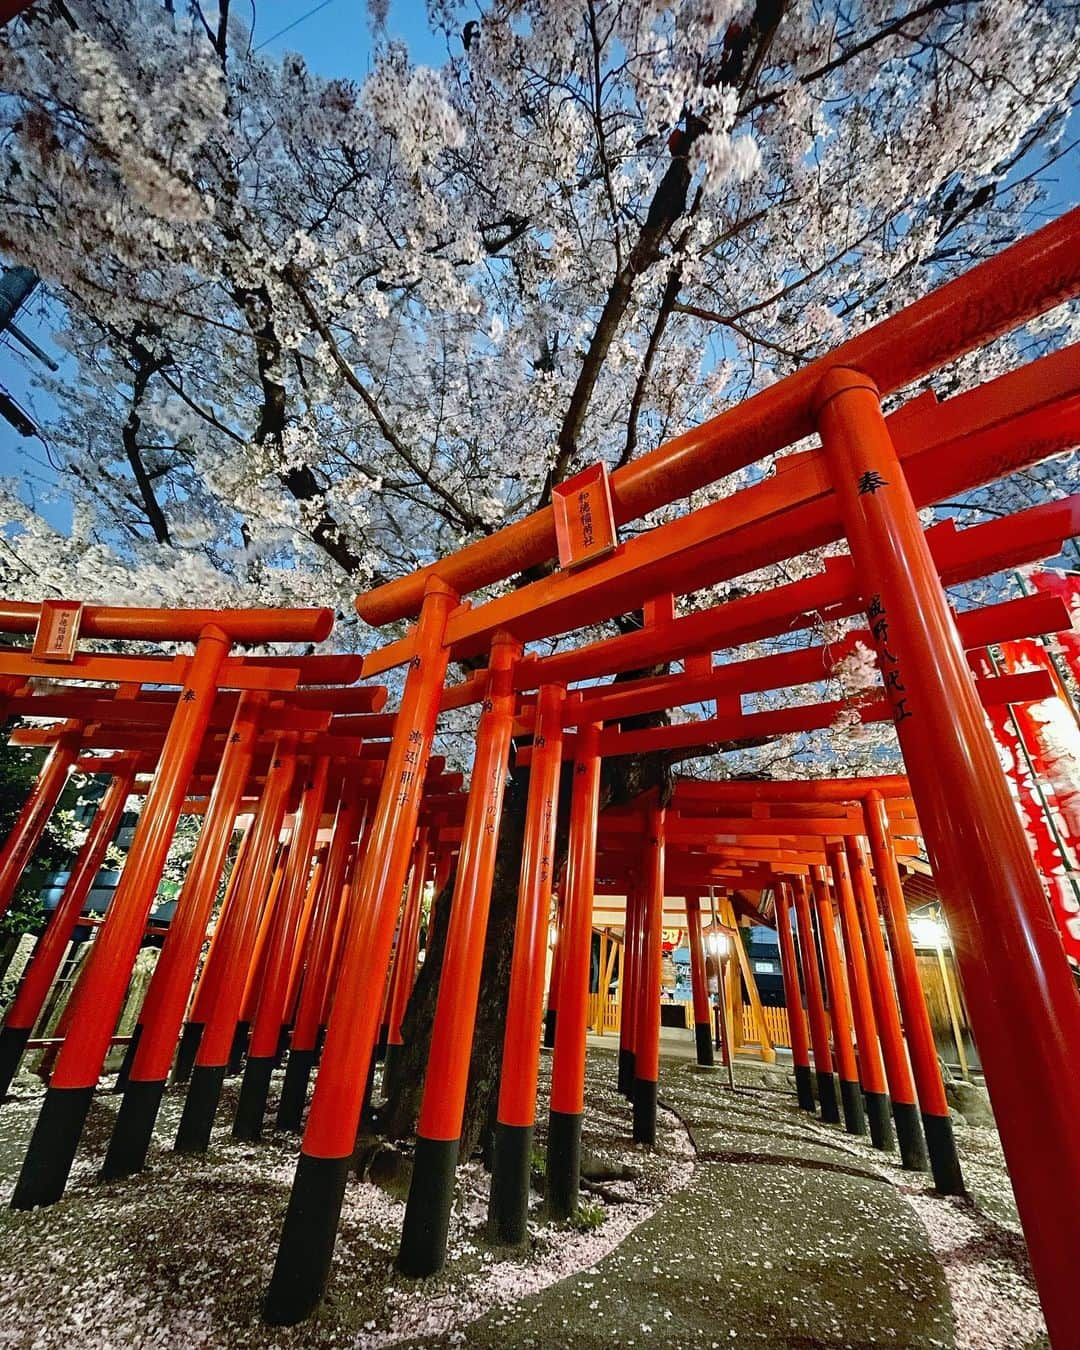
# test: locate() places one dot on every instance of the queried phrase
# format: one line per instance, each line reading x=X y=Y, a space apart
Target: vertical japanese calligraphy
x=889 y=663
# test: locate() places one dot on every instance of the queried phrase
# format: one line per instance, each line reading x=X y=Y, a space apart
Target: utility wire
x=290 y=26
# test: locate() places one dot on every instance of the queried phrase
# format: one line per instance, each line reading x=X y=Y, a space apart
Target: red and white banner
x=1066 y=586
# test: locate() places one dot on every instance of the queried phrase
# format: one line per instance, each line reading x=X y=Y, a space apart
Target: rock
x=391 y=1171
x=595 y=1168
x=971 y=1100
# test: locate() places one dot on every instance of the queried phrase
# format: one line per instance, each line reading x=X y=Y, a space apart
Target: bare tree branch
x=145 y=366
x=457 y=514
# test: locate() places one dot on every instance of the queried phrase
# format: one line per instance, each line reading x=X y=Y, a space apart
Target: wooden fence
x=604 y=1019
x=776 y=1025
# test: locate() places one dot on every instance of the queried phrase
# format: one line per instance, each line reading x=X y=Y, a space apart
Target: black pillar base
x=909 y=1137
x=550 y=1016
x=12 y=1044
x=879 y=1120
x=124 y=1073
x=187 y=1050
x=511 y=1176
x=644 y=1111
x=394 y=1051
x=307 y=1240
x=200 y=1108
x=381 y=1043
x=290 y=1112
x=804 y=1088
x=254 y=1090
x=626 y=1073
x=133 y=1130
x=852 y=1102
x=828 y=1097
x=239 y=1047
x=427 y=1211
x=563 y=1164
x=703 y=1037
x=944 y=1162
x=52 y=1148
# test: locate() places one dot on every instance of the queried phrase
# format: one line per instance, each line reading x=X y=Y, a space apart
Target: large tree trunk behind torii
x=622 y=780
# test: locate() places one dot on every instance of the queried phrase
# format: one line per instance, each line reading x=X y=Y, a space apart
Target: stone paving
x=784 y=1237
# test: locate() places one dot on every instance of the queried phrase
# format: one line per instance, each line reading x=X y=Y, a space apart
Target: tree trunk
x=622 y=780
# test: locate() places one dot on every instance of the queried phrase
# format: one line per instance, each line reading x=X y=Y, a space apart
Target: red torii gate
x=57 y=628
x=788 y=849
x=865 y=483
x=226 y=772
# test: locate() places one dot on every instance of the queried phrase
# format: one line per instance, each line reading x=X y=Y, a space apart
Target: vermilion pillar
x=511 y=1167
x=628 y=992
x=1025 y=1011
x=551 y=1012
x=53 y=942
x=305 y=1037
x=800 y=1039
x=815 y=1006
x=699 y=984
x=905 y=1111
x=310 y=1228
x=235 y=950
x=404 y=972
x=563 y=1173
x=871 y=1069
x=56 y=1135
x=642 y=957
x=265 y=936
x=207 y=983
x=346 y=917
x=167 y=996
x=937 y=1124
x=305 y=934
x=839 y=1006
x=647 y=1049
x=270 y=1010
x=431 y=1190
x=34 y=816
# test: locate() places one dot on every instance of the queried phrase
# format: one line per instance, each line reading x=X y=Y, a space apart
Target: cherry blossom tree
x=324 y=332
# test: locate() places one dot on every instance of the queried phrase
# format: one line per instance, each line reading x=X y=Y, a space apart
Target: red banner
x=1039 y=745
x=1065 y=586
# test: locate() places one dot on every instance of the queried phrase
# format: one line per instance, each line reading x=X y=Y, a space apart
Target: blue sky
x=335 y=39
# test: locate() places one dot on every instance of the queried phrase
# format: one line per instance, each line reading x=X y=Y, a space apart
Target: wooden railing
x=603 y=1014
x=776 y=1024
x=604 y=1018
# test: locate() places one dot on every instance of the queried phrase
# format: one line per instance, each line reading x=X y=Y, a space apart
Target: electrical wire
x=290 y=26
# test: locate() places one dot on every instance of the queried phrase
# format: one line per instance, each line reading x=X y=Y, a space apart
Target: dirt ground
x=749 y=1224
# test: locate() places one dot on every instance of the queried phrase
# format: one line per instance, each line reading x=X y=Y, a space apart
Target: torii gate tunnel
x=865 y=483
x=346 y=820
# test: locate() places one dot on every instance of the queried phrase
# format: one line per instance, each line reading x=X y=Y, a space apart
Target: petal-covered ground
x=750 y=1224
